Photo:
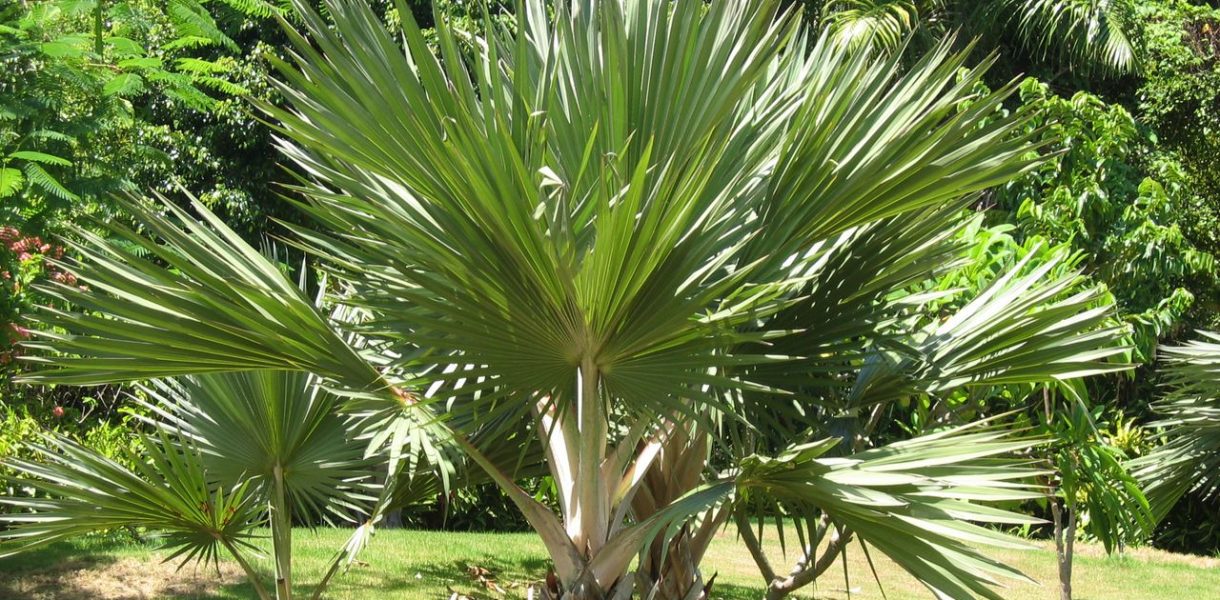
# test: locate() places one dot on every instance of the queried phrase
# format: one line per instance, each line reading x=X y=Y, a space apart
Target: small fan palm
x=631 y=227
x=231 y=452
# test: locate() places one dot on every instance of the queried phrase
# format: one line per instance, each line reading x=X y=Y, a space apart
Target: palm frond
x=1189 y=458
x=916 y=501
x=880 y=24
x=168 y=489
x=220 y=306
x=249 y=424
x=1094 y=35
x=1027 y=326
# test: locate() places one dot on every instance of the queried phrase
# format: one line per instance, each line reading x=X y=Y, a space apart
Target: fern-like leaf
x=40 y=178
x=11 y=182
x=41 y=157
x=190 y=19
x=124 y=84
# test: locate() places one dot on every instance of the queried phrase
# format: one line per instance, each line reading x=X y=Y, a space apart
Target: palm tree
x=638 y=227
x=1094 y=36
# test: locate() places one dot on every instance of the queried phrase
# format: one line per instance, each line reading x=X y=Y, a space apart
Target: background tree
x=1083 y=35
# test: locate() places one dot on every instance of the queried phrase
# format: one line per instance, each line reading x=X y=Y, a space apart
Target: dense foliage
x=105 y=96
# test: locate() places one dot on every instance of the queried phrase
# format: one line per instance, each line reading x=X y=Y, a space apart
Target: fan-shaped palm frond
x=272 y=437
x=269 y=425
x=912 y=500
x=168 y=489
x=1190 y=457
x=882 y=24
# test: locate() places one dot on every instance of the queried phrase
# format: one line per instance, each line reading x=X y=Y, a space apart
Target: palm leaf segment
x=168 y=490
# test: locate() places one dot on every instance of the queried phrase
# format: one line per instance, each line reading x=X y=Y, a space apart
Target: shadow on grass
x=436 y=579
x=735 y=592
x=109 y=568
x=41 y=572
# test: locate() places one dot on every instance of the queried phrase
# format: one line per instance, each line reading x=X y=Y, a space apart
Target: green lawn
x=427 y=565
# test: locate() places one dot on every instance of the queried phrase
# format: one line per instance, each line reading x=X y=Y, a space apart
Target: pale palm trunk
x=591 y=541
x=669 y=568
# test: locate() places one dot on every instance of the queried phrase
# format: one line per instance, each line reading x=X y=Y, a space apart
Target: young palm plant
x=231 y=452
x=630 y=224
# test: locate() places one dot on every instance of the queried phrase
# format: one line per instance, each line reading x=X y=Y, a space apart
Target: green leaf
x=41 y=157
x=11 y=181
x=199 y=66
x=40 y=178
x=147 y=62
x=124 y=84
x=125 y=47
x=195 y=26
x=65 y=47
x=188 y=41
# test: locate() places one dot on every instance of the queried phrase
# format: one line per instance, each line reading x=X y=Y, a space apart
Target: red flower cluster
x=15 y=333
x=27 y=247
x=29 y=253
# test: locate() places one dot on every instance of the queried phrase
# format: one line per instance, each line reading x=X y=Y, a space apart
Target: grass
x=412 y=565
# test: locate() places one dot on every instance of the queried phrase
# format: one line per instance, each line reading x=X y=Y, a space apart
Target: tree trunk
x=807 y=570
x=1065 y=534
x=672 y=574
x=811 y=565
x=584 y=589
x=281 y=536
x=99 y=24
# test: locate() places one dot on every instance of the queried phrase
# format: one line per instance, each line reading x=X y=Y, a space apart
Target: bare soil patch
x=110 y=578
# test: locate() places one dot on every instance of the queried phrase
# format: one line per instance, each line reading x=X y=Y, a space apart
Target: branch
x=754 y=546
